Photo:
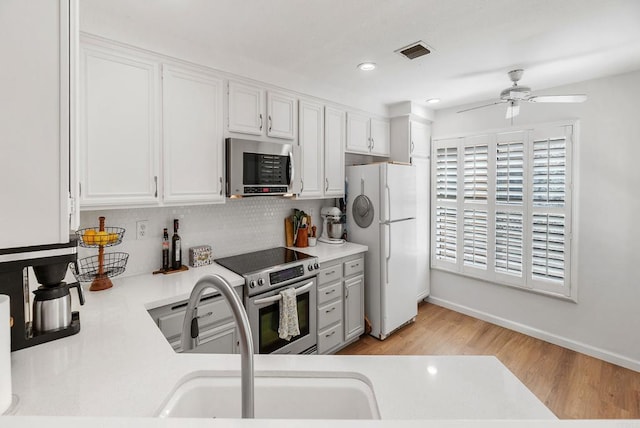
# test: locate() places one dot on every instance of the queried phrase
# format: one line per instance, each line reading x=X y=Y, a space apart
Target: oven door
x=264 y=316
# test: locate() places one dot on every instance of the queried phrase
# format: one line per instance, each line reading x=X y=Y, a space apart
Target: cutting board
x=288 y=231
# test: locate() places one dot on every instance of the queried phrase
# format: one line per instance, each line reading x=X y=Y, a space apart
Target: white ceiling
x=475 y=42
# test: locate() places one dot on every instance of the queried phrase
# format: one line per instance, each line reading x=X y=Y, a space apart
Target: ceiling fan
x=516 y=93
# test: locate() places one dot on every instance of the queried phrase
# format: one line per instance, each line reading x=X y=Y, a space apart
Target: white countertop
x=328 y=252
x=120 y=365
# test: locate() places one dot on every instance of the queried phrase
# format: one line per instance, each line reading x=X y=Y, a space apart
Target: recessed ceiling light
x=367 y=66
x=433 y=100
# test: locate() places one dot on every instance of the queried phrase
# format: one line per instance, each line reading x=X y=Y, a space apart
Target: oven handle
x=277 y=297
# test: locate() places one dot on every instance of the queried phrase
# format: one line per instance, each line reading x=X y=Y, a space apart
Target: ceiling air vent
x=414 y=50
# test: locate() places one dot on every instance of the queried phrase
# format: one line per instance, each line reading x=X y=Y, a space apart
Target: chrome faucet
x=190 y=332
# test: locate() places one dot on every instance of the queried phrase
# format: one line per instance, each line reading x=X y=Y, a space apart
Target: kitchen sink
x=299 y=395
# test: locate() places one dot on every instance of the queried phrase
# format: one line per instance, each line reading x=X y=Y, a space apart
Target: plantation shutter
x=445 y=226
x=502 y=204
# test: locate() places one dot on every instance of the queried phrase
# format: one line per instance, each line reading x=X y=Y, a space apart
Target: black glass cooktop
x=244 y=264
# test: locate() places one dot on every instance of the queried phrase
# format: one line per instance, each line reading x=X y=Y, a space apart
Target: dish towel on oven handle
x=288 y=327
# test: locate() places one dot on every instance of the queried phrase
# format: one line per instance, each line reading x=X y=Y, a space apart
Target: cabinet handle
x=260 y=121
x=355 y=266
x=330 y=310
x=330 y=273
x=220 y=186
x=330 y=334
x=155 y=180
x=346 y=292
x=301 y=186
x=269 y=117
x=326 y=184
x=330 y=291
x=373 y=143
x=80 y=189
x=413 y=147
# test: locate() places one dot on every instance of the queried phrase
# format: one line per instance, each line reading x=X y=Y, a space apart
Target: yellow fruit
x=102 y=238
x=89 y=237
x=113 y=237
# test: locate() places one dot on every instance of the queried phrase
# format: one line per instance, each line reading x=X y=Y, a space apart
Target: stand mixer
x=331 y=225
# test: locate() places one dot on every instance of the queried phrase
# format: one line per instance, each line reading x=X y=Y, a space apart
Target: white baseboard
x=583 y=348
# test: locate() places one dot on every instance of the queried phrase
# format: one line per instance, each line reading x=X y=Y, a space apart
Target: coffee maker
x=50 y=317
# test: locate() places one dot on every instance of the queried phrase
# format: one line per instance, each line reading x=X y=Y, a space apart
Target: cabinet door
x=192 y=130
x=312 y=148
x=357 y=133
x=34 y=128
x=281 y=115
x=220 y=340
x=334 y=137
x=420 y=139
x=380 y=137
x=119 y=127
x=353 y=307
x=245 y=108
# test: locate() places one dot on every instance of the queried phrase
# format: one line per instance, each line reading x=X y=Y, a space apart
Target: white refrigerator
x=381 y=213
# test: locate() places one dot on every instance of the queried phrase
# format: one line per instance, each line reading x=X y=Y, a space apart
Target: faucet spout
x=240 y=316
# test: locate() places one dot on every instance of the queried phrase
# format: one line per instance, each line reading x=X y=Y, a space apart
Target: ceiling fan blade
x=484 y=105
x=558 y=98
x=513 y=110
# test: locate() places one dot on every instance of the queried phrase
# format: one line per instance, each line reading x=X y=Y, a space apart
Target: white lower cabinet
x=219 y=340
x=340 y=303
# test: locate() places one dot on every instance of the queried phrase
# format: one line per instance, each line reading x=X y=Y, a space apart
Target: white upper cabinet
x=37 y=46
x=334 y=139
x=245 y=108
x=411 y=138
x=367 y=135
x=358 y=133
x=192 y=103
x=380 y=137
x=420 y=139
x=281 y=115
x=311 y=141
x=119 y=149
x=248 y=113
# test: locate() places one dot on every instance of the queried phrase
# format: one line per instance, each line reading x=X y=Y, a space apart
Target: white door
x=398 y=189
x=119 y=148
x=380 y=137
x=334 y=136
x=34 y=124
x=398 y=282
x=357 y=133
x=193 y=142
x=281 y=115
x=311 y=141
x=245 y=109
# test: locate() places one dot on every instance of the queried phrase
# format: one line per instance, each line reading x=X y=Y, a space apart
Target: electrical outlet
x=142 y=228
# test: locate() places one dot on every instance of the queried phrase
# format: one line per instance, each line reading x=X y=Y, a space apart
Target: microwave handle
x=292 y=171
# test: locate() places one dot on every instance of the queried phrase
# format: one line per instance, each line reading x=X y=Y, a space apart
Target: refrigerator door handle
x=387 y=249
x=387 y=203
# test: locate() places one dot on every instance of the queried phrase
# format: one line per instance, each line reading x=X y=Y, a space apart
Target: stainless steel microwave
x=257 y=168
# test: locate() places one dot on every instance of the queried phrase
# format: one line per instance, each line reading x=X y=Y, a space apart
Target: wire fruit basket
x=92 y=237
x=99 y=268
x=113 y=264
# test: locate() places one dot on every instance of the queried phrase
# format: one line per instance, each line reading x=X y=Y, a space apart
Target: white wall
x=606 y=320
x=238 y=226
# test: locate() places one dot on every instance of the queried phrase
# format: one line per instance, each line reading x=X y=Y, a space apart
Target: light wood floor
x=572 y=385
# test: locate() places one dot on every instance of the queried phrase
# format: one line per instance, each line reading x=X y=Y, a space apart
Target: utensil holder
x=302 y=239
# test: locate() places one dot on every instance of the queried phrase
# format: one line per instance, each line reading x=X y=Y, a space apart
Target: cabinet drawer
x=329 y=292
x=329 y=314
x=171 y=324
x=353 y=267
x=329 y=338
x=329 y=274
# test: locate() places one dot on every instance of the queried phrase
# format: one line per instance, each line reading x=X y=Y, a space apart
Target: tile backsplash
x=239 y=225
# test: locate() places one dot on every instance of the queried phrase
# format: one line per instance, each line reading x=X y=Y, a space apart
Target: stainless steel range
x=266 y=274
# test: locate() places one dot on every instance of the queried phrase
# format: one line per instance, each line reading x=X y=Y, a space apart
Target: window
x=502 y=204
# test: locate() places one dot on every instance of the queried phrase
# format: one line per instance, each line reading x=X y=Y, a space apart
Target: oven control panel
x=260 y=282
